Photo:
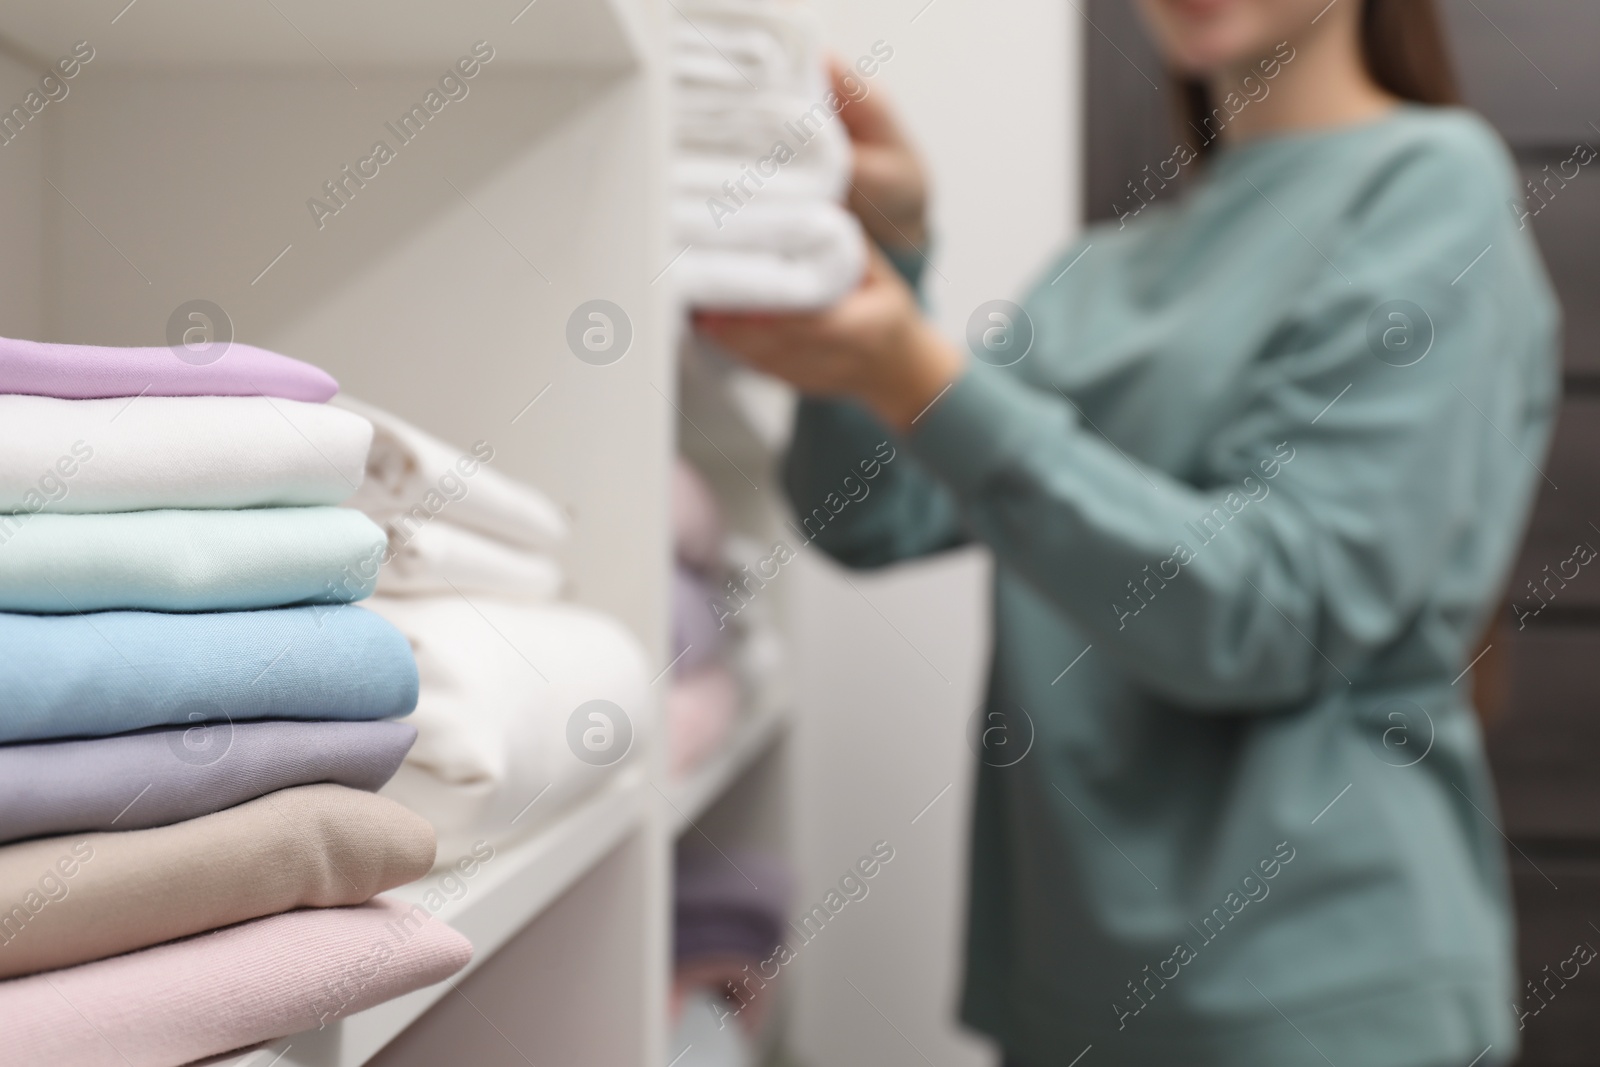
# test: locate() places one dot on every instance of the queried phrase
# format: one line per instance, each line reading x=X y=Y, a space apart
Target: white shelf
x=338 y=38
x=510 y=891
x=522 y=880
x=693 y=796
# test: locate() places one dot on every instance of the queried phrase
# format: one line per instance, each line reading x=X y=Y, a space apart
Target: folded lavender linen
x=83 y=897
x=158 y=777
x=227 y=989
x=699 y=636
x=86 y=372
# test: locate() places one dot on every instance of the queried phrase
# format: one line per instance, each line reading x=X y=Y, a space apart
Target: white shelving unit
x=179 y=166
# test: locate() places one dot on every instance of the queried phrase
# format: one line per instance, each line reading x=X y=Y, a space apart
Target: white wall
x=892 y=665
x=21 y=164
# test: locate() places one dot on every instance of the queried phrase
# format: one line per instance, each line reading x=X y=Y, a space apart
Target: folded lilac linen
x=227 y=989
x=91 y=372
x=698 y=636
x=157 y=777
x=113 y=672
x=729 y=906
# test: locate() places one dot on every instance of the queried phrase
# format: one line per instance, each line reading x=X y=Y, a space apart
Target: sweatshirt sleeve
x=1327 y=503
x=855 y=491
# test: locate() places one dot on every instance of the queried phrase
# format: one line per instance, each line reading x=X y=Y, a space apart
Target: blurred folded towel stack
x=704 y=702
x=512 y=679
x=193 y=721
x=762 y=163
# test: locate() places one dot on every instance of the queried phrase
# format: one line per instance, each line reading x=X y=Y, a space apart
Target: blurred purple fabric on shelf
x=733 y=905
x=697 y=636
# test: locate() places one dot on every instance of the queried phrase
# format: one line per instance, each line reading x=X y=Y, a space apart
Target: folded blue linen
x=159 y=777
x=188 y=560
x=109 y=673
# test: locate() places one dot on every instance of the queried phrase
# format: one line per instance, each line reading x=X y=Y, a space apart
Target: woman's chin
x=1203 y=56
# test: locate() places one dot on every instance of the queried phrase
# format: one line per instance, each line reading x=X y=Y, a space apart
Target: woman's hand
x=889 y=189
x=874 y=345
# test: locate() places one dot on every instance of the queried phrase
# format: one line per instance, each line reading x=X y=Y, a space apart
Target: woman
x=1263 y=468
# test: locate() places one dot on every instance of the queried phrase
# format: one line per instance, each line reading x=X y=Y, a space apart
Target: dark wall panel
x=1543 y=747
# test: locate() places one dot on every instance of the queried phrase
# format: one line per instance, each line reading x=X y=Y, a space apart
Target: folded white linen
x=702 y=176
x=783 y=228
x=413 y=478
x=762 y=161
x=751 y=124
x=176 y=452
x=441 y=559
x=770 y=255
x=792 y=23
x=712 y=52
x=501 y=681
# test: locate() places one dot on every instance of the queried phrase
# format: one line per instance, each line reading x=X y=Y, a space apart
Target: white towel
x=700 y=178
x=762 y=162
x=500 y=682
x=707 y=52
x=770 y=255
x=441 y=559
x=749 y=125
x=414 y=479
x=176 y=452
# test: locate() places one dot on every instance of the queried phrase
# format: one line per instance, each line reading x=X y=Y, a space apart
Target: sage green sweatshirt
x=1253 y=486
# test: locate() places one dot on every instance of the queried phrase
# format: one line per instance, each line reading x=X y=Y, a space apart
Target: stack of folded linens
x=762 y=163
x=728 y=931
x=194 y=720
x=472 y=582
x=704 y=702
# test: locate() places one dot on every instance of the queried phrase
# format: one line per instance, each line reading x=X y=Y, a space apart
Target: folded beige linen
x=68 y=900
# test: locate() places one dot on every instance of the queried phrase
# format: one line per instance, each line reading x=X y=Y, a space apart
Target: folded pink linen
x=228 y=989
x=700 y=709
x=90 y=372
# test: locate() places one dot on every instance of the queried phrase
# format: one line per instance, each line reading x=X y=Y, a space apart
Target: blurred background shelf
x=755 y=736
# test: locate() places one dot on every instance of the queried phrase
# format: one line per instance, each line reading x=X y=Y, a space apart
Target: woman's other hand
x=874 y=345
x=889 y=188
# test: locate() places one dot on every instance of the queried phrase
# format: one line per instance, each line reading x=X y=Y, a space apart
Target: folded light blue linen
x=188 y=560
x=159 y=777
x=112 y=672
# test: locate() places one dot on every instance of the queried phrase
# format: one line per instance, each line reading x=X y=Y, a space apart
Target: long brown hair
x=1402 y=45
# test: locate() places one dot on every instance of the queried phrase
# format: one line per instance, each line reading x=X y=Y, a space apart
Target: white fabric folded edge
x=442 y=559
x=766 y=258
x=413 y=478
x=500 y=685
x=701 y=176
